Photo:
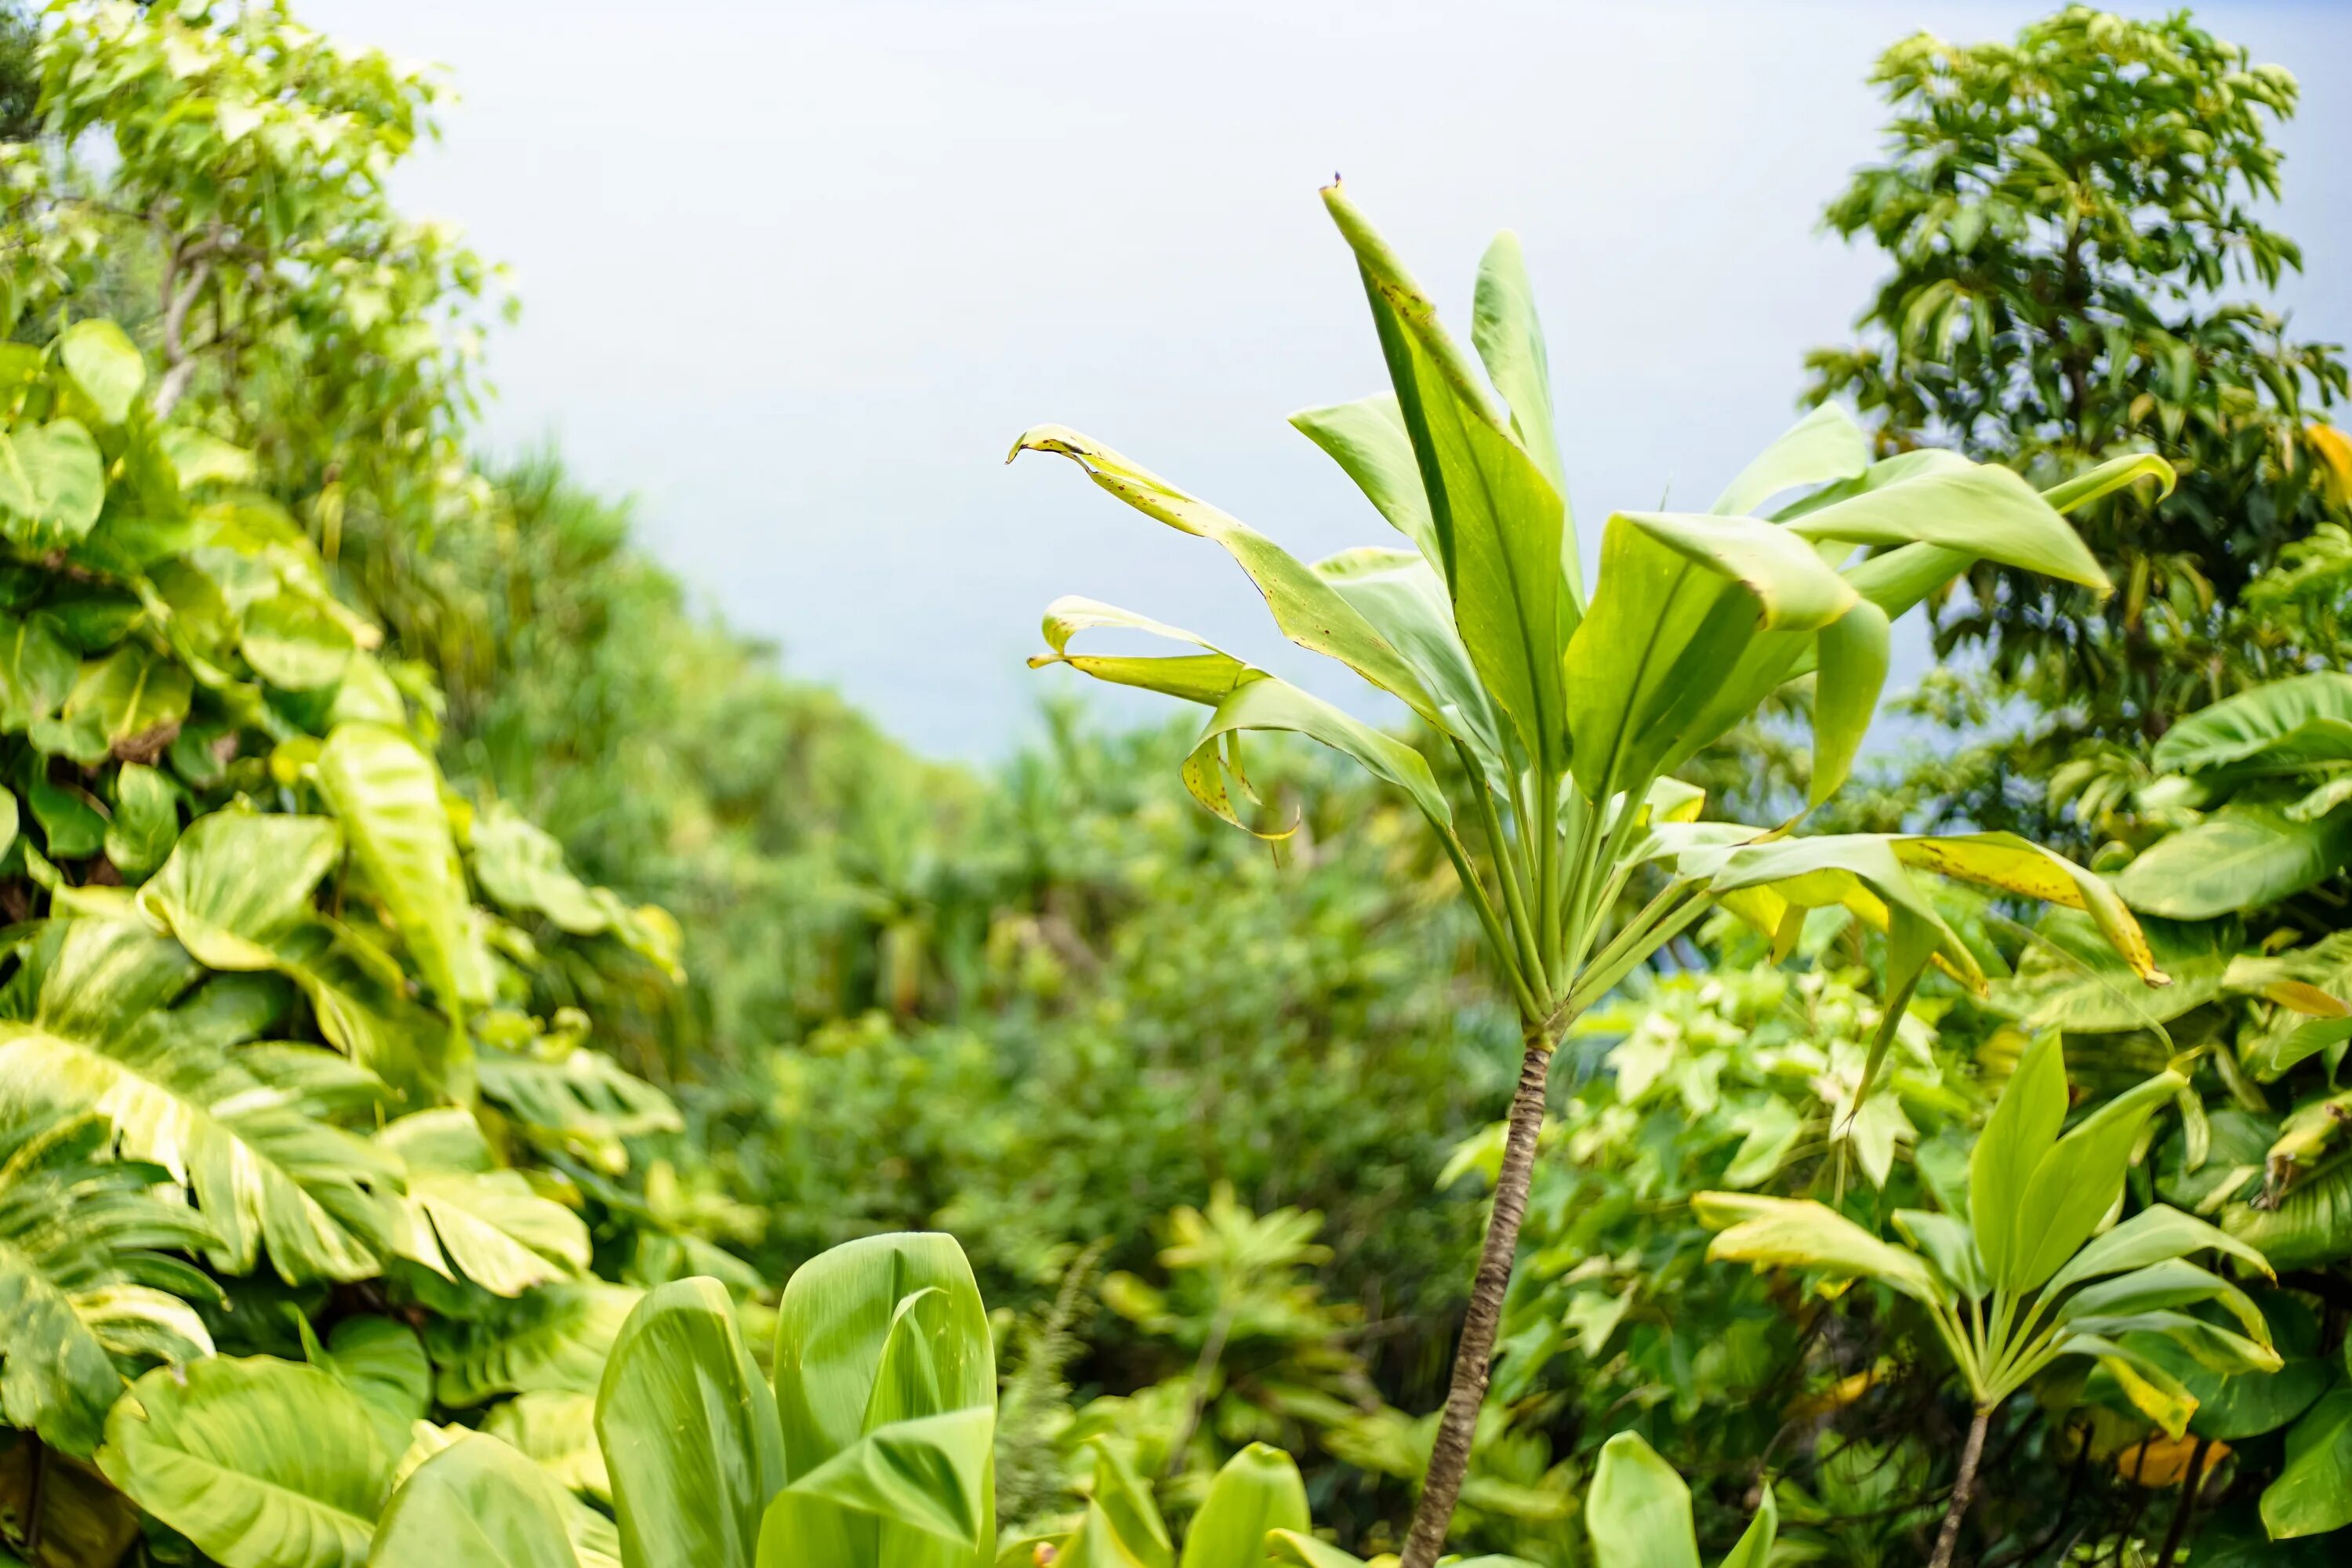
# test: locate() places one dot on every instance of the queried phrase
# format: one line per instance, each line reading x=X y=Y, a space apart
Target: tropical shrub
x=1568 y=717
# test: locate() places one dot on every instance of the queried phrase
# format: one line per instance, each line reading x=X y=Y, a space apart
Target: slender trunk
x=2188 y=1489
x=1963 y=1491
x=1449 y=1455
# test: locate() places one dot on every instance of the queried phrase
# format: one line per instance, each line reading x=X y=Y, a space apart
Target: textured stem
x=1963 y=1491
x=2187 y=1505
x=1449 y=1455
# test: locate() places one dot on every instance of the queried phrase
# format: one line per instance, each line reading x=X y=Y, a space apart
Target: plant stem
x=1196 y=1400
x=1449 y=1455
x=2188 y=1489
x=1963 y=1490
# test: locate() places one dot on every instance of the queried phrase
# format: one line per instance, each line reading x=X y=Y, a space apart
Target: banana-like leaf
x=929 y=1475
x=2307 y=1225
x=85 y=1275
x=1823 y=447
x=2282 y=726
x=1207 y=678
x=1256 y=1491
x=1367 y=438
x=262 y=1463
x=1298 y=1549
x=689 y=1434
x=266 y=1174
x=1095 y=1544
x=2212 y=1347
x=555 y=1337
x=1803 y=1234
x=1855 y=650
x=1681 y=599
x=1125 y=1498
x=1862 y=872
x=1271 y=704
x=1500 y=525
x=2115 y=474
x=2019 y=1134
x=557 y=1432
x=2153 y=1235
x=2243 y=856
x=1950 y=1248
x=239 y=882
x=2313 y=1493
x=2016 y=865
x=1508 y=337
x=387 y=794
x=2161 y=1287
x=1941 y=498
x=1399 y=593
x=475 y=1504
x=2076 y=1183
x=1304 y=606
x=1638 y=1510
x=2154 y=1389
x=460 y=1215
x=1754 y=1547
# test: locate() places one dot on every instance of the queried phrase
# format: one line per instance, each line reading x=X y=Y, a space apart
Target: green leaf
x=105 y=365
x=1500 y=525
x=52 y=484
x=388 y=794
x=2021 y=1130
x=475 y=1504
x=1256 y=1491
x=129 y=703
x=2309 y=1224
x=1638 y=1510
x=2153 y=1235
x=461 y=1215
x=929 y=1475
x=1306 y=609
x=262 y=1463
x=1207 y=678
x=2014 y=865
x=2078 y=1180
x=2313 y=1493
x=1937 y=497
x=1509 y=340
x=2282 y=726
x=1125 y=1498
x=1300 y=1550
x=1402 y=595
x=239 y=882
x=1271 y=704
x=264 y=1174
x=1754 y=1548
x=1367 y=438
x=146 y=820
x=1824 y=446
x=84 y=1276
x=2243 y=856
x=558 y=1432
x=1803 y=1234
x=381 y=1360
x=37 y=667
x=80 y=1519
x=2115 y=474
x=1854 y=651
x=689 y=1434
x=1950 y=1248
x=295 y=642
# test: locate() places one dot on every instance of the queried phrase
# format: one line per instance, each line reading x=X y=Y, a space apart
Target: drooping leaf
x=1854 y=651
x=927 y=1476
x=1824 y=446
x=462 y=1216
x=1937 y=498
x=262 y=1463
x=2016 y=865
x=1367 y=438
x=1803 y=1234
x=2280 y=726
x=2155 y=1235
x=689 y=1434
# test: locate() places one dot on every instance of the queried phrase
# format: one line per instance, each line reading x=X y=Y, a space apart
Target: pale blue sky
x=796 y=275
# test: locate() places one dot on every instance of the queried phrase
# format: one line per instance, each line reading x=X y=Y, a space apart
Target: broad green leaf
x=557 y=1337
x=2161 y=1287
x=381 y=1360
x=929 y=1475
x=2078 y=1180
x=837 y=1321
x=1859 y=871
x=2021 y=1130
x=52 y=484
x=2115 y=474
x=2313 y=1493
x=1824 y=446
x=2150 y=1386
x=1093 y=1545
x=1368 y=439
x=1300 y=1550
x=688 y=1430
x=1981 y=509
x=2153 y=1235
x=1950 y=1248
x=1500 y=525
x=1125 y=1498
x=239 y=882
x=262 y=1463
x=1638 y=1510
x=580 y=1097
x=2016 y=865
x=1680 y=599
x=104 y=364
x=1304 y=606
x=1271 y=704
x=83 y=1276
x=2309 y=1224
x=387 y=793
x=462 y=1216
x=2243 y=856
x=267 y=1176
x=146 y=820
x=296 y=642
x=129 y=703
x=1508 y=337
x=1803 y=1234
x=475 y=1504
x=1256 y=1491
x=200 y=459
x=1855 y=650
x=2281 y=726
x=37 y=667
x=1400 y=595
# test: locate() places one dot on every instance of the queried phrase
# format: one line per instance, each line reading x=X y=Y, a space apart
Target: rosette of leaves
x=1569 y=713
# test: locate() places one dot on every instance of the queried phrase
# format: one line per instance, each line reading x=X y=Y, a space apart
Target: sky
x=795 y=276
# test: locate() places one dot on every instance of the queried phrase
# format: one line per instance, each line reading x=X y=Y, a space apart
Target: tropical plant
x=1568 y=716
x=2025 y=1277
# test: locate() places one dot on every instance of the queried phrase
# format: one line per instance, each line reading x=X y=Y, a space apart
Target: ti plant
x=2026 y=1277
x=1567 y=712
